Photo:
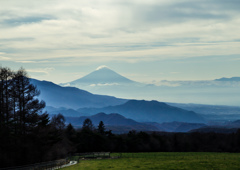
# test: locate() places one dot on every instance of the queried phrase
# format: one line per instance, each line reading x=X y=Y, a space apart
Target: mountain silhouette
x=229 y=79
x=177 y=126
x=102 y=76
x=148 y=111
x=71 y=97
x=116 y=122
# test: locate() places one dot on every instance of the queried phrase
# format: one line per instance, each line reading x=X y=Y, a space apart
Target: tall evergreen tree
x=58 y=121
x=101 y=128
x=87 y=124
x=6 y=75
x=28 y=106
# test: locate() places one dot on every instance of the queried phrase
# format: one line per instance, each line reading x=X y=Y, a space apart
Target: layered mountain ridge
x=72 y=97
x=67 y=100
x=148 y=111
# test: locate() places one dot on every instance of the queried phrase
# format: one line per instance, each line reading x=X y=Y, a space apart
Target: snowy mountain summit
x=102 y=76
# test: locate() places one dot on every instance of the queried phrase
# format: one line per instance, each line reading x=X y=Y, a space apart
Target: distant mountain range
x=229 y=79
x=227 y=127
x=177 y=126
x=115 y=122
x=119 y=124
x=224 y=91
x=72 y=97
x=212 y=112
x=148 y=111
x=75 y=104
x=64 y=111
x=141 y=111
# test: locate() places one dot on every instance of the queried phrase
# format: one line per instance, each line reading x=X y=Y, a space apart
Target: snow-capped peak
x=102 y=67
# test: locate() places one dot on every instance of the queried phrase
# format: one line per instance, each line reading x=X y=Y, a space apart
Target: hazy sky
x=62 y=40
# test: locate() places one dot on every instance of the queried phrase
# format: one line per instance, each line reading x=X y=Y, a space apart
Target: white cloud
x=82 y=32
x=104 y=84
x=174 y=72
x=26 y=61
x=40 y=70
x=167 y=83
x=4 y=58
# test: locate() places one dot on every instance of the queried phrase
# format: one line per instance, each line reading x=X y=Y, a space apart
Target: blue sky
x=147 y=41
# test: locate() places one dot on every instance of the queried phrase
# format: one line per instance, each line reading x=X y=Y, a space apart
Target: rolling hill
x=115 y=122
x=148 y=111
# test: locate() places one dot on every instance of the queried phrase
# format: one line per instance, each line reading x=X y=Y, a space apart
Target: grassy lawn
x=170 y=160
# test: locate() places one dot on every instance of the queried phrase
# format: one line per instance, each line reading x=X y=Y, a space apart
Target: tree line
x=28 y=135
x=100 y=139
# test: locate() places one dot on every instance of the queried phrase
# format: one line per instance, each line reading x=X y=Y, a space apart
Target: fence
x=93 y=155
x=59 y=163
x=40 y=166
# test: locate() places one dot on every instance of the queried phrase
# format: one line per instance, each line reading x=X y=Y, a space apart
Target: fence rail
x=59 y=163
x=93 y=155
x=40 y=166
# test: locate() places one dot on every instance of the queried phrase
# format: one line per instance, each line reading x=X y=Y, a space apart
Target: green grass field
x=170 y=160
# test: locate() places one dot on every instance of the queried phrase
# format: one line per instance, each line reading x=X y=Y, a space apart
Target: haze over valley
x=122 y=110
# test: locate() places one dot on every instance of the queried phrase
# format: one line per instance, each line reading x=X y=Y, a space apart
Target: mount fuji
x=102 y=76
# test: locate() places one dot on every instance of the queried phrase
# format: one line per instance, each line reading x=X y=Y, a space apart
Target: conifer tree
x=28 y=106
x=6 y=75
x=101 y=128
x=87 y=124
